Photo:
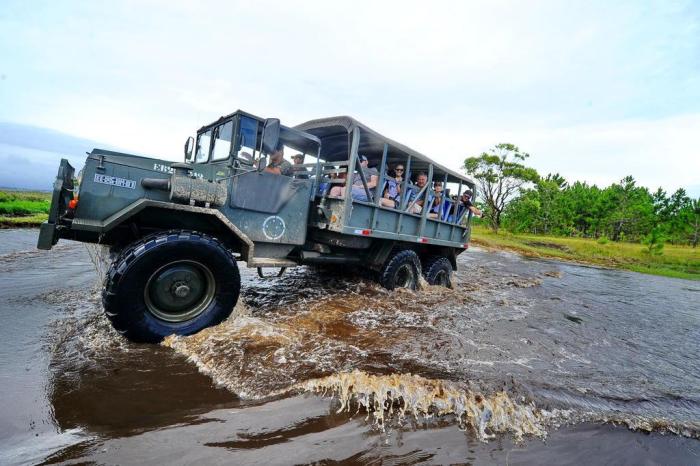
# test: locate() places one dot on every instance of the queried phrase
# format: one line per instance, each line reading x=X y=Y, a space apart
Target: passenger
x=278 y=165
x=337 y=189
x=466 y=203
x=324 y=187
x=437 y=200
x=392 y=188
x=421 y=181
x=301 y=173
x=358 y=189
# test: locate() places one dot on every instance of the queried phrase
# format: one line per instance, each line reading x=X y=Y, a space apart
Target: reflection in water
x=107 y=385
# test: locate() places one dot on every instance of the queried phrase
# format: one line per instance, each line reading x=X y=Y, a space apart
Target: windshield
x=248 y=139
x=203 y=145
x=223 y=135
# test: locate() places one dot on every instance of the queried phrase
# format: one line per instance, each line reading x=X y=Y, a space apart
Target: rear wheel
x=401 y=270
x=176 y=282
x=438 y=271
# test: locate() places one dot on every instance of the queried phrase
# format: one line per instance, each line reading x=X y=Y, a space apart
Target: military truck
x=177 y=231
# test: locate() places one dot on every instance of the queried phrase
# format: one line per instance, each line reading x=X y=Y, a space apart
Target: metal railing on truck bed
x=420 y=214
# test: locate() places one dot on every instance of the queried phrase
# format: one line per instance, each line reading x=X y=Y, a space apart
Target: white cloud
x=662 y=152
x=577 y=85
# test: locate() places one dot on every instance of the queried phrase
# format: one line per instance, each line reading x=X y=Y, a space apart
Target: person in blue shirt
x=436 y=200
x=391 y=197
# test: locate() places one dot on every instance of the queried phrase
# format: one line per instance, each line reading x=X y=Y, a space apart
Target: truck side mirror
x=189 y=147
x=271 y=135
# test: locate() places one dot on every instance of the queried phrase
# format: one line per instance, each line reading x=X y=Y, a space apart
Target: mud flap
x=62 y=195
x=47 y=236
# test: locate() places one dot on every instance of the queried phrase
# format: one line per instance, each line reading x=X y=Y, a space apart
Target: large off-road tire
x=437 y=270
x=401 y=270
x=175 y=282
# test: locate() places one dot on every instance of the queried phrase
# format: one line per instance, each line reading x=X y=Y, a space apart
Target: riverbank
x=23 y=208
x=30 y=209
x=675 y=261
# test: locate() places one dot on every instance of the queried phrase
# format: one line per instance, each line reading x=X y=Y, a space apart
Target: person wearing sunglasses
x=392 y=188
x=465 y=202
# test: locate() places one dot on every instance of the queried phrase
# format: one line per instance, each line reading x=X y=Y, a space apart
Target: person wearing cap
x=358 y=189
x=466 y=202
x=300 y=172
x=278 y=165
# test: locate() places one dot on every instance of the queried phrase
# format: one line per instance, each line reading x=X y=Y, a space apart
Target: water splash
x=384 y=396
x=100 y=258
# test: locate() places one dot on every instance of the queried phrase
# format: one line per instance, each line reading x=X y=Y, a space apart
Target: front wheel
x=176 y=282
x=401 y=270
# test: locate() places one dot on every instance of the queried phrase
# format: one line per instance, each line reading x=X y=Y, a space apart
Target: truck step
x=87 y=224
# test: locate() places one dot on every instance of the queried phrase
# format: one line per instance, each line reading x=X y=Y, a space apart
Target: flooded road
x=523 y=362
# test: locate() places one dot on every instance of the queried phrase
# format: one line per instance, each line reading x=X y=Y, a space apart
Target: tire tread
x=432 y=264
x=386 y=275
x=133 y=252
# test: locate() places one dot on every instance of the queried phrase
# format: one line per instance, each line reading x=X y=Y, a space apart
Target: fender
x=116 y=219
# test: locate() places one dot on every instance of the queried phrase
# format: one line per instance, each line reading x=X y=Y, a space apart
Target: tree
x=680 y=213
x=585 y=205
x=551 y=216
x=501 y=176
x=654 y=242
x=695 y=221
x=522 y=214
x=630 y=210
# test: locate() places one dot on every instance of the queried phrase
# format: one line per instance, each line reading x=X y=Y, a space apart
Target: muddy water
x=523 y=362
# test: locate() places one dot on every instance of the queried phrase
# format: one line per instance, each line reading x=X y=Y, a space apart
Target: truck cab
x=222 y=188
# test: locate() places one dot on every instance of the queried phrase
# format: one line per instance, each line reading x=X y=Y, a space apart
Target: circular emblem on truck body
x=273 y=227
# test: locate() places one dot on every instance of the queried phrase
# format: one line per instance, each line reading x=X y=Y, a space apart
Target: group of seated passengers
x=392 y=188
x=453 y=208
x=358 y=189
x=391 y=196
x=416 y=193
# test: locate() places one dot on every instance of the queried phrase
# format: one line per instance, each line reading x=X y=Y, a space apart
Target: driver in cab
x=278 y=165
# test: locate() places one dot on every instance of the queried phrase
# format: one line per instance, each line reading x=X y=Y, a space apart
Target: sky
x=592 y=90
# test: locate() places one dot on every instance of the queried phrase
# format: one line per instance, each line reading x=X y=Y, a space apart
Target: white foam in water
x=383 y=396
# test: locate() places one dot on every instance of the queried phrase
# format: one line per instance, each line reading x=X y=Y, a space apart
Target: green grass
x=23 y=208
x=675 y=261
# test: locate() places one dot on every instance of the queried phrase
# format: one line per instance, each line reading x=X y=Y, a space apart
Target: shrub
x=654 y=242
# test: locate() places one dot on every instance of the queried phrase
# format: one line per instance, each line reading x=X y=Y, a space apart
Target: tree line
x=518 y=199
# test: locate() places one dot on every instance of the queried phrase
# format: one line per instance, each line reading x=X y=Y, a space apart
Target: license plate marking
x=115 y=181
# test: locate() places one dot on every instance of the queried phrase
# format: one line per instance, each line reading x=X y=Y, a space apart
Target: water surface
x=605 y=363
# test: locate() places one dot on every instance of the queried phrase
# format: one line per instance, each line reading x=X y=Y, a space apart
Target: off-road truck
x=177 y=231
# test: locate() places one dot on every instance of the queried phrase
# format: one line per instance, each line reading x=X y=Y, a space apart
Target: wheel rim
x=405 y=277
x=179 y=291
x=442 y=278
